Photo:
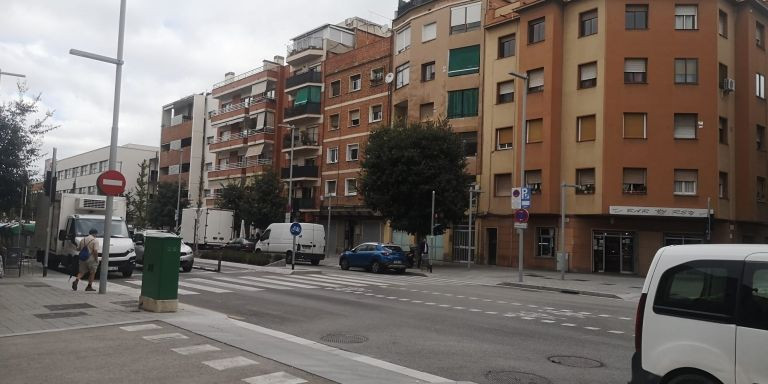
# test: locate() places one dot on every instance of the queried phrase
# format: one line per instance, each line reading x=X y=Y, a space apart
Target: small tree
x=163 y=206
x=404 y=164
x=262 y=203
x=138 y=199
x=231 y=196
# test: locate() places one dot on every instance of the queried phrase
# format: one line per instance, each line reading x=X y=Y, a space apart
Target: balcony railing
x=300 y=171
x=243 y=164
x=308 y=108
x=404 y=6
x=304 y=203
x=303 y=139
x=304 y=78
x=238 y=77
x=303 y=44
x=244 y=134
x=266 y=96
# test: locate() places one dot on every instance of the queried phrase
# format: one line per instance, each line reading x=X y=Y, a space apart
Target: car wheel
x=376 y=267
x=315 y=262
x=344 y=264
x=692 y=378
x=128 y=273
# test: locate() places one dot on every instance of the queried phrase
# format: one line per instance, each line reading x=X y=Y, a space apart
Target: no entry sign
x=111 y=183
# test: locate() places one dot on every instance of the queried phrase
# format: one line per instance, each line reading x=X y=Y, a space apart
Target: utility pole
x=51 y=200
x=563 y=259
x=523 y=138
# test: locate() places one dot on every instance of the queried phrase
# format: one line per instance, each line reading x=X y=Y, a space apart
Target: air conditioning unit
x=729 y=85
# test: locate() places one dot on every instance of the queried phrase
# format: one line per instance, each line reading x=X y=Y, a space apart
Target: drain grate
x=68 y=307
x=59 y=315
x=342 y=338
x=575 y=361
x=514 y=377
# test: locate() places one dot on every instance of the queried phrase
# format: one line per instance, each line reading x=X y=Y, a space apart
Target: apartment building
x=356 y=101
x=656 y=109
x=183 y=144
x=243 y=139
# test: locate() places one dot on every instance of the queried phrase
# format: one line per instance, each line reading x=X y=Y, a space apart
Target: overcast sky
x=173 y=48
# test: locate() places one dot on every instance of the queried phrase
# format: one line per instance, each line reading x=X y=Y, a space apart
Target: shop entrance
x=613 y=252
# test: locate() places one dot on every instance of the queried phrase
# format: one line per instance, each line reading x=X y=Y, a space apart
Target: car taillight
x=639 y=322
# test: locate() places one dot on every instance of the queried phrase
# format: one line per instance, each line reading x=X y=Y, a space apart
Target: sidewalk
x=44 y=324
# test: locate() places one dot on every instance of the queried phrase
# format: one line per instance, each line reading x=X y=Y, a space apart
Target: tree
x=163 y=207
x=231 y=196
x=21 y=131
x=138 y=199
x=262 y=203
x=404 y=164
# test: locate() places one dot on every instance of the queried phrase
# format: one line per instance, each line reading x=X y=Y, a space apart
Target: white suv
x=703 y=316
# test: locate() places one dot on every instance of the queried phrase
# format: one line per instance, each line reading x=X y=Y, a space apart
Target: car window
x=754 y=298
x=393 y=248
x=703 y=289
x=265 y=235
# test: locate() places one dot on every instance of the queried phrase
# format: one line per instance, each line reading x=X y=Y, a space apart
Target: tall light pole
x=11 y=74
x=563 y=260
x=178 y=192
x=118 y=62
x=523 y=139
x=289 y=215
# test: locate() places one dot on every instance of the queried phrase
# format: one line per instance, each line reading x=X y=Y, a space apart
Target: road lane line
x=202 y=287
x=275 y=378
x=226 y=285
x=164 y=336
x=364 y=280
x=141 y=327
x=180 y=291
x=568 y=325
x=195 y=349
x=232 y=362
x=289 y=278
x=313 y=278
x=616 y=332
x=592 y=328
x=278 y=282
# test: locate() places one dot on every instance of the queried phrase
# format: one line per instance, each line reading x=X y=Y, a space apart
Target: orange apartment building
x=356 y=101
x=656 y=108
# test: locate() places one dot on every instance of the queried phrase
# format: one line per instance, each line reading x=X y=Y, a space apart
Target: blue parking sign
x=525 y=197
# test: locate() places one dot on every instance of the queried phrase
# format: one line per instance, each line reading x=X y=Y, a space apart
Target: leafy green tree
x=138 y=199
x=22 y=128
x=404 y=164
x=231 y=196
x=262 y=202
x=162 y=208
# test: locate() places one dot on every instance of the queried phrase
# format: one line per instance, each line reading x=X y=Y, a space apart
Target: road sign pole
x=51 y=200
x=293 y=253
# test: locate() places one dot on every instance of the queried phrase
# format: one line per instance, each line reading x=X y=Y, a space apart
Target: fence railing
x=266 y=96
x=242 y=164
x=304 y=44
x=244 y=134
x=238 y=77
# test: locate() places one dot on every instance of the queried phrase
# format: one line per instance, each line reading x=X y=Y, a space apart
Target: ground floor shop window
x=545 y=241
x=682 y=239
x=613 y=251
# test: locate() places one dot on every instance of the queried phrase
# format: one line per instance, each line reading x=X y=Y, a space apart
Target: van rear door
x=752 y=330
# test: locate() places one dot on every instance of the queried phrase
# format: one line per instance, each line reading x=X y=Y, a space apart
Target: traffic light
x=438 y=230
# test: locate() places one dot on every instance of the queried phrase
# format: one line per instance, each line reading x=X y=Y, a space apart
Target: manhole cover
x=514 y=377
x=59 y=315
x=68 y=307
x=342 y=338
x=575 y=361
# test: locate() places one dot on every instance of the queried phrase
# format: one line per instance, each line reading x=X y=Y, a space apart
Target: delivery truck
x=214 y=227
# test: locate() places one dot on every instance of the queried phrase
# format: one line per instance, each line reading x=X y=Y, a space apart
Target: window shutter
x=686 y=10
x=354 y=115
x=302 y=96
x=260 y=120
x=634 y=65
x=505 y=135
x=589 y=71
x=507 y=87
x=587 y=128
x=473 y=13
x=535 y=130
x=634 y=125
x=685 y=126
x=634 y=176
x=536 y=78
x=429 y=32
x=532 y=177
x=462 y=61
x=403 y=39
x=586 y=177
x=455 y=99
x=458 y=16
x=471 y=102
x=259 y=88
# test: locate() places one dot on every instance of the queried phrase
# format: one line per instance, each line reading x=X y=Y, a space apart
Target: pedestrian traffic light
x=438 y=230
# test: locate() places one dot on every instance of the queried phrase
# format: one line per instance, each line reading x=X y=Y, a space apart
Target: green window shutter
x=463 y=61
x=470 y=102
x=302 y=96
x=314 y=94
x=454 y=104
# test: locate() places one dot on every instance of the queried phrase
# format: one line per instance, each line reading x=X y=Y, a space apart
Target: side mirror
x=62 y=235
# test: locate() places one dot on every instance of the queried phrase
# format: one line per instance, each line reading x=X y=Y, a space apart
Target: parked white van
x=703 y=316
x=310 y=244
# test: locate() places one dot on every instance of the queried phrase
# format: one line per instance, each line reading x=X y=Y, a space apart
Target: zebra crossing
x=218 y=284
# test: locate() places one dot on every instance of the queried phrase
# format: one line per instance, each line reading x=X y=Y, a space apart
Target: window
x=330 y=188
x=377 y=75
x=760 y=137
x=685 y=16
x=760 y=188
x=350 y=187
x=354 y=118
x=462 y=103
x=533 y=180
x=754 y=301
x=759 y=35
x=465 y=18
x=464 y=61
x=428 y=32
x=103 y=166
x=636 y=16
x=505 y=92
x=534 y=131
x=469 y=142
x=722 y=131
x=335 y=88
x=353 y=151
x=586 y=128
x=84 y=170
x=426 y=111
x=502 y=185
x=92 y=190
x=635 y=71
x=686 y=71
x=536 y=80
x=75 y=171
x=208 y=167
x=685 y=125
x=722 y=74
x=588 y=75
x=402 y=75
x=355 y=83
x=588 y=23
x=701 y=289
x=94 y=168
x=722 y=24
x=428 y=71
x=333 y=123
x=403 y=39
x=536 y=31
x=333 y=155
x=376 y=113
x=634 y=125
x=586 y=179
x=634 y=181
x=507 y=46
x=760 y=85
x=685 y=181
x=545 y=242
x=505 y=137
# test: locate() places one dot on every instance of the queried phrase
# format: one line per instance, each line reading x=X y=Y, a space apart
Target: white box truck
x=74 y=215
x=215 y=226
x=310 y=244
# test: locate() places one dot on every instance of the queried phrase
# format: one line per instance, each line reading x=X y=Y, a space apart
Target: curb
x=561 y=290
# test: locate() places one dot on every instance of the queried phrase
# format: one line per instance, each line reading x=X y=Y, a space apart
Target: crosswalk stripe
x=304 y=280
x=332 y=280
x=275 y=378
x=254 y=283
x=180 y=291
x=195 y=349
x=202 y=287
x=367 y=280
x=231 y=362
x=278 y=282
x=225 y=285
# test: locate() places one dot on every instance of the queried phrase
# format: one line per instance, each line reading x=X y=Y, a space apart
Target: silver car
x=186 y=258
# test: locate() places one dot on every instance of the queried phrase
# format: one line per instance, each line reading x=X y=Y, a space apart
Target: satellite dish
x=390 y=76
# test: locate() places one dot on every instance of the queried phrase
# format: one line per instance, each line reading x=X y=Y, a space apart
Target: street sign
x=295 y=229
x=521 y=216
x=111 y=183
x=525 y=198
x=521 y=225
x=516 y=201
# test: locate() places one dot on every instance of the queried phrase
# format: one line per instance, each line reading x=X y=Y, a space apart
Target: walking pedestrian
x=424 y=253
x=88 y=265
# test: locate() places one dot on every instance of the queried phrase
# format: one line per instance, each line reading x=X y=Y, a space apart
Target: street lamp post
x=523 y=139
x=178 y=192
x=289 y=216
x=11 y=74
x=563 y=260
x=118 y=62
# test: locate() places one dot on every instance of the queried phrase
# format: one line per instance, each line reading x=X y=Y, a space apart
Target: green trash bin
x=160 y=277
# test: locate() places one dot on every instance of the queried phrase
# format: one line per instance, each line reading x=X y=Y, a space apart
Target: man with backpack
x=89 y=259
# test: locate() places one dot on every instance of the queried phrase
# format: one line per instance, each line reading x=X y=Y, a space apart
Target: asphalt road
x=484 y=334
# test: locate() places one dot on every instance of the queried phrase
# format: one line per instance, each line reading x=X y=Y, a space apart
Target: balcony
x=305 y=143
x=304 y=203
x=238 y=169
x=305 y=50
x=301 y=172
x=257 y=166
x=243 y=79
x=242 y=138
x=315 y=77
x=235 y=112
x=306 y=110
x=404 y=6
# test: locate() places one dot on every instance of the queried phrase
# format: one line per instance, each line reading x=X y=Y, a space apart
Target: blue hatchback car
x=374 y=257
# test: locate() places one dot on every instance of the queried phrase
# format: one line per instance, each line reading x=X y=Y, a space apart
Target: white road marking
x=487 y=300
x=510 y=315
x=391 y=297
x=379 y=295
x=231 y=362
x=475 y=310
x=417 y=301
x=195 y=349
x=533 y=306
x=302 y=280
x=278 y=282
x=592 y=328
x=430 y=303
x=444 y=305
x=364 y=280
x=515 y=303
x=164 y=336
x=605 y=315
x=331 y=280
x=548 y=321
x=459 y=308
x=225 y=285
x=624 y=318
x=275 y=378
x=253 y=283
x=202 y=287
x=501 y=302
x=527 y=318
x=585 y=313
x=461 y=296
x=141 y=327
x=492 y=313
x=180 y=291
x=405 y=299
x=568 y=325
x=616 y=332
